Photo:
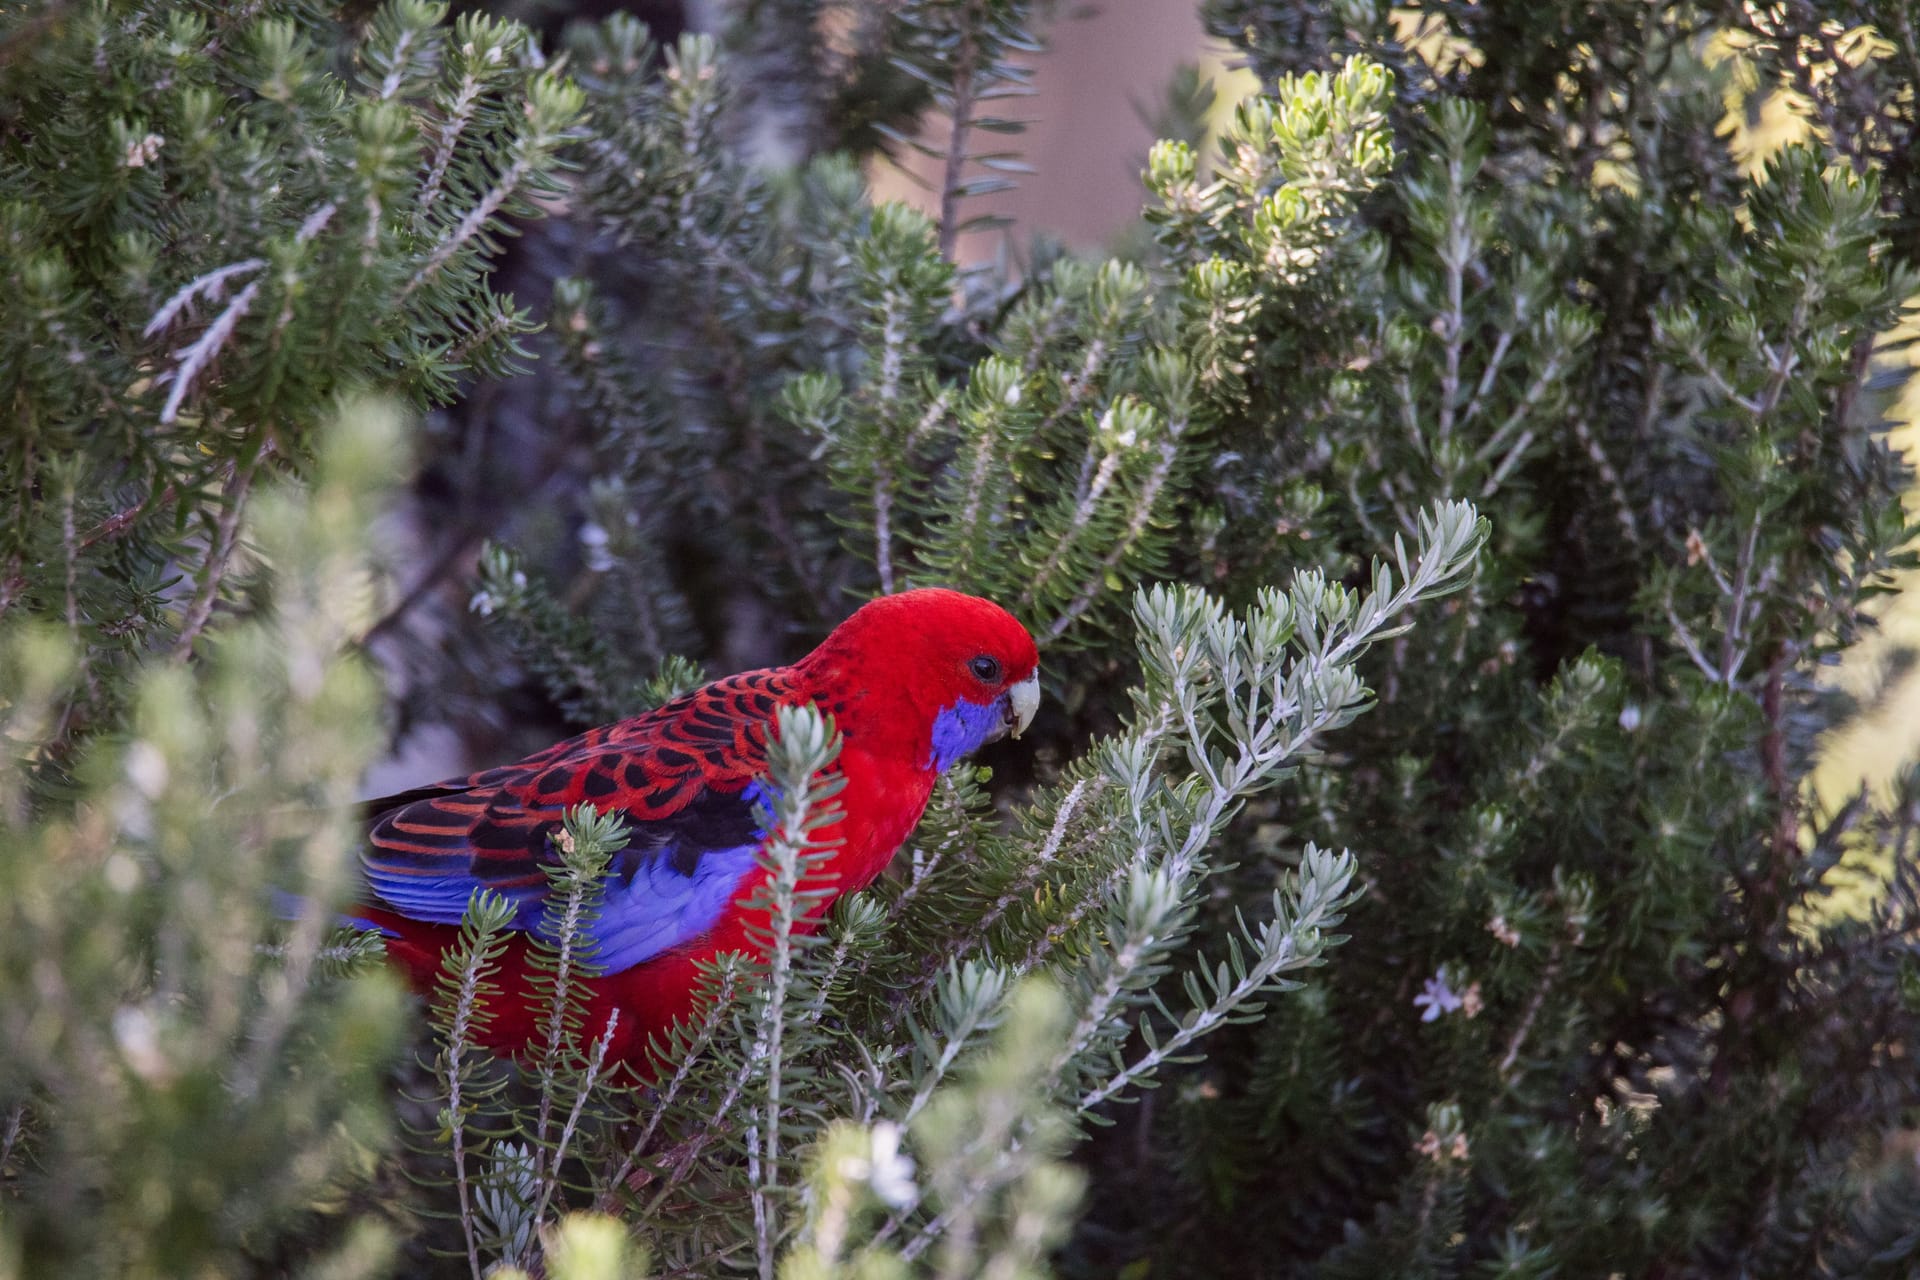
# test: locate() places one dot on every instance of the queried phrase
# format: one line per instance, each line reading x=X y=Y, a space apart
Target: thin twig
x=120 y=521
x=1094 y=489
x=209 y=286
x=1548 y=975
x=219 y=555
x=1609 y=476
x=70 y=548
x=1502 y=343
x=711 y=1018
x=558 y=1006
x=1143 y=509
x=459 y=112
x=596 y=1059
x=198 y=354
x=962 y=121
x=1453 y=257
x=1733 y=654
x=883 y=527
x=763 y=1146
x=1016 y=890
x=10 y=1134
x=459 y=1036
x=1283 y=957
x=893 y=340
x=476 y=219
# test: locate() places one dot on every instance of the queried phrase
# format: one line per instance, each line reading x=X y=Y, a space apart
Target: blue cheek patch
x=959 y=730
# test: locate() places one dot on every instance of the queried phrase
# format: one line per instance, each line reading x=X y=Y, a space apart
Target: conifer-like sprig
x=993 y=1138
x=570 y=1057
x=463 y=1072
x=582 y=673
x=875 y=438
x=986 y=1151
x=801 y=750
x=967 y=54
x=1050 y=473
x=202 y=280
x=1273 y=683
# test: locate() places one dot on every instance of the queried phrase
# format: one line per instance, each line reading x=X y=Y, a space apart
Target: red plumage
x=913 y=681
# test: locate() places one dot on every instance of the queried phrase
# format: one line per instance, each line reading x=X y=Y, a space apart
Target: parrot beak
x=1023 y=700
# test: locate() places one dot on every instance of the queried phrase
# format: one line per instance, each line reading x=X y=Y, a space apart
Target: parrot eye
x=986 y=670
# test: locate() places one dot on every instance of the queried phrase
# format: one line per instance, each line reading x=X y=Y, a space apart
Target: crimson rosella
x=913 y=681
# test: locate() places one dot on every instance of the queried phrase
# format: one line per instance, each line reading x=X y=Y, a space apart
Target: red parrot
x=913 y=681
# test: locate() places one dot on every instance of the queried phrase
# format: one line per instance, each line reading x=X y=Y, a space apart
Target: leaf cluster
x=217 y=222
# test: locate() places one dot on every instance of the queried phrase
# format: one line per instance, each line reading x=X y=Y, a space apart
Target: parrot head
x=938 y=672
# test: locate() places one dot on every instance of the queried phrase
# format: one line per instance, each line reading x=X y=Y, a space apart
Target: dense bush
x=1598 y=1012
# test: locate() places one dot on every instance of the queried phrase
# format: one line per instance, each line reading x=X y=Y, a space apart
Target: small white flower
x=891 y=1176
x=147 y=769
x=593 y=547
x=1117 y=434
x=123 y=873
x=1437 y=998
x=482 y=604
x=138 y=1036
x=1630 y=717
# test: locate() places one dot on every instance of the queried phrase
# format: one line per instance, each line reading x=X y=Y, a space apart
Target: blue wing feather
x=668 y=886
x=661 y=907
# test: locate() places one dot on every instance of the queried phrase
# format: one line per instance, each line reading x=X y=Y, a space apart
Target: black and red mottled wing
x=682 y=776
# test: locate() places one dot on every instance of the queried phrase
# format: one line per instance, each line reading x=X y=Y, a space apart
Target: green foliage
x=208 y=235
x=1445 y=256
x=873 y=1023
x=1597 y=915
x=191 y=1090
x=1600 y=1016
